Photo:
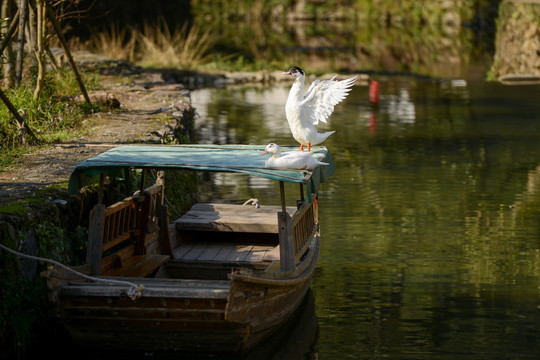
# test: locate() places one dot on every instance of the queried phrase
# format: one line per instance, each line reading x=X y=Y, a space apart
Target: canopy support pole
x=100 y=192
x=286 y=245
x=282 y=192
x=143 y=180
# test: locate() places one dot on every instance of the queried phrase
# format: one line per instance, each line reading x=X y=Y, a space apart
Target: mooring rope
x=134 y=292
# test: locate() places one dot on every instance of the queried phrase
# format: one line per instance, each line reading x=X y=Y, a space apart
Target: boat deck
x=228 y=233
x=231 y=218
x=226 y=252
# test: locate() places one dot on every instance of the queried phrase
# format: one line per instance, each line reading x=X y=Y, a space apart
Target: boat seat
x=120 y=240
x=138 y=266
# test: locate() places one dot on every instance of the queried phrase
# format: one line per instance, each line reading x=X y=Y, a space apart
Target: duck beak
x=286 y=73
x=263 y=153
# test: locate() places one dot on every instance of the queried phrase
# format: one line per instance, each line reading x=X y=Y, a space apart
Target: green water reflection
x=431 y=225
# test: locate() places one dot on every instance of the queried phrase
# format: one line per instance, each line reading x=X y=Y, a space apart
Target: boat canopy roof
x=226 y=158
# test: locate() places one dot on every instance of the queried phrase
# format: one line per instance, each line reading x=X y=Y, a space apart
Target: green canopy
x=229 y=158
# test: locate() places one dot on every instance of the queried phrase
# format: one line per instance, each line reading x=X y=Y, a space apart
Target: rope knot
x=135 y=292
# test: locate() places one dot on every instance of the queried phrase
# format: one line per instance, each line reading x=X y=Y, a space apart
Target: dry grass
x=156 y=46
x=116 y=44
x=185 y=48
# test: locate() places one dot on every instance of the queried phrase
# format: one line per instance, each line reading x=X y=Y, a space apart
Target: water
x=430 y=226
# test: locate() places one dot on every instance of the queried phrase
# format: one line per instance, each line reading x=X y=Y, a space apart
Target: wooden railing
x=127 y=224
x=155 y=196
x=295 y=234
x=303 y=228
x=119 y=222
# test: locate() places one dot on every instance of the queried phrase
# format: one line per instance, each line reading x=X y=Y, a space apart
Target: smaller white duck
x=290 y=160
x=305 y=111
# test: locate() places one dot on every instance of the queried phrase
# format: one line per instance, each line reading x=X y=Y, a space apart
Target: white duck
x=304 y=111
x=289 y=160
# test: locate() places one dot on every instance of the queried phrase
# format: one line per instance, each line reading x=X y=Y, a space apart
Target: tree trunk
x=40 y=48
x=52 y=16
x=6 y=47
x=23 y=16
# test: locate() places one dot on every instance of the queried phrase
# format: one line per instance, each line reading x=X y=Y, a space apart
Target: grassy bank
x=52 y=118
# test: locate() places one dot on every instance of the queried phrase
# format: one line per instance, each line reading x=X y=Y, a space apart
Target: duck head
x=295 y=72
x=272 y=149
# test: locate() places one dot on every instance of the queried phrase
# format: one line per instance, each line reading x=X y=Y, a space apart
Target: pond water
x=431 y=223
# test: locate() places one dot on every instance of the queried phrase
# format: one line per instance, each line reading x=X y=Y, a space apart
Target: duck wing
x=322 y=96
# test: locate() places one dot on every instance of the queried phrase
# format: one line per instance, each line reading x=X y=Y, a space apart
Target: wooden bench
x=119 y=242
x=138 y=266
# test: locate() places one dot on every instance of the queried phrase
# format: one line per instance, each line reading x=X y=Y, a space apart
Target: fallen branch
x=20 y=120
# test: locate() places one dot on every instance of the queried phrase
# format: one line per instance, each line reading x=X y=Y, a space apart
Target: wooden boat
x=220 y=278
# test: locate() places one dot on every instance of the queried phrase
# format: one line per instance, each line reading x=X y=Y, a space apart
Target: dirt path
x=147 y=104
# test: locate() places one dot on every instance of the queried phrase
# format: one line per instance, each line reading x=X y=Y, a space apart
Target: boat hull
x=215 y=316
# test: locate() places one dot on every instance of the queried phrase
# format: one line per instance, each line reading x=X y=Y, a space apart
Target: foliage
x=52 y=117
x=23 y=309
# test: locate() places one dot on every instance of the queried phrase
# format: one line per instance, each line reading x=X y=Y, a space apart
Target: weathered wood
x=217 y=292
x=303 y=228
x=183 y=249
x=95 y=232
x=210 y=252
x=282 y=196
x=118 y=222
x=195 y=252
x=154 y=290
x=141 y=224
x=164 y=235
x=138 y=266
x=117 y=258
x=242 y=255
x=231 y=218
x=286 y=246
x=100 y=191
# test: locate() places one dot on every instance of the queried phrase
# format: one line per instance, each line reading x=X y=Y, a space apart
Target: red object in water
x=374 y=92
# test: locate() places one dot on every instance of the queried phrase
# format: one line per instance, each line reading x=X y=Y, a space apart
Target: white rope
x=134 y=292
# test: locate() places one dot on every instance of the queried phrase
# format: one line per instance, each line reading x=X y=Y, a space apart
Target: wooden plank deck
x=231 y=218
x=226 y=252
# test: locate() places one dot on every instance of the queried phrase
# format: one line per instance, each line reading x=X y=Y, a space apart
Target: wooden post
x=100 y=191
x=52 y=16
x=302 y=197
x=161 y=181
x=95 y=238
x=164 y=236
x=286 y=245
x=143 y=180
x=282 y=193
x=143 y=205
x=142 y=226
